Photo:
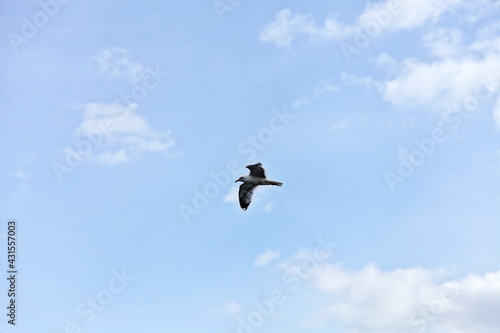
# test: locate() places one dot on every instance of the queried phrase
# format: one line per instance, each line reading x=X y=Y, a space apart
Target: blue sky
x=124 y=126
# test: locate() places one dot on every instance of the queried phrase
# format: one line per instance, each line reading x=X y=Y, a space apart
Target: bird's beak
x=236 y=180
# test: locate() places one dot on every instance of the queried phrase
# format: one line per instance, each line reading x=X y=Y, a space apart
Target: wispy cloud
x=287 y=27
x=117 y=63
x=441 y=84
x=444 y=42
x=232 y=308
x=266 y=257
x=318 y=90
x=122 y=133
x=456 y=75
x=371 y=299
x=388 y=15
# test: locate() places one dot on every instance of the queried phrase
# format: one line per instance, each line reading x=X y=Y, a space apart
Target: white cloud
x=372 y=298
x=232 y=308
x=416 y=299
x=403 y=300
x=325 y=88
x=119 y=134
x=386 y=62
x=266 y=257
x=288 y=26
x=117 y=63
x=488 y=39
x=442 y=84
x=444 y=42
x=407 y=14
x=456 y=75
x=477 y=307
x=284 y=29
x=475 y=10
x=319 y=90
x=388 y=15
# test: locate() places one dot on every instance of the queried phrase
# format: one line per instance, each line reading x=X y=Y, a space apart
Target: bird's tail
x=272 y=182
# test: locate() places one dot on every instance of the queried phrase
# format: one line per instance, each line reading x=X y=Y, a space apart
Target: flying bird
x=256 y=177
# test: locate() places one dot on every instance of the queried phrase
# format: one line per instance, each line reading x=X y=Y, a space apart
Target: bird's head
x=239 y=180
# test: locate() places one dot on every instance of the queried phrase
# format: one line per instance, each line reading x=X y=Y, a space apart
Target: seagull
x=256 y=177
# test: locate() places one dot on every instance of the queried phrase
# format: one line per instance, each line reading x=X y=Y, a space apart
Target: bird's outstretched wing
x=245 y=195
x=256 y=170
